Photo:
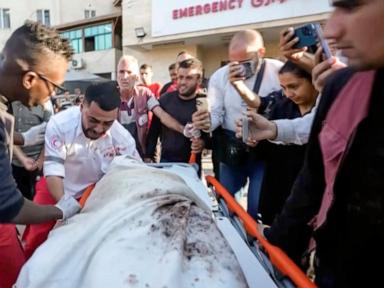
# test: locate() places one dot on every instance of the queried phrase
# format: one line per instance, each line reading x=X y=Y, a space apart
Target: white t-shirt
x=226 y=104
x=78 y=159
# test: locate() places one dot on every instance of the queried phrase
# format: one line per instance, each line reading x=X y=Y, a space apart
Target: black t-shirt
x=11 y=199
x=174 y=146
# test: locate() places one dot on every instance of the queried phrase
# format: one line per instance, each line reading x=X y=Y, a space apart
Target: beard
x=189 y=92
x=92 y=134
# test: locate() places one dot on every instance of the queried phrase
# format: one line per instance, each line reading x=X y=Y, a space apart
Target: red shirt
x=155 y=88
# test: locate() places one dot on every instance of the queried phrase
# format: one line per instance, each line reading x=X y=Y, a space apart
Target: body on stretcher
x=257 y=270
x=232 y=220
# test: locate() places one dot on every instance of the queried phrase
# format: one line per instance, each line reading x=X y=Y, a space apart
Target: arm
x=168 y=120
x=40 y=160
x=55 y=186
x=32 y=213
x=28 y=163
x=283 y=131
x=249 y=97
x=33 y=136
x=55 y=155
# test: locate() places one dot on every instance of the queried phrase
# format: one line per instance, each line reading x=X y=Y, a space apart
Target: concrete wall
x=21 y=10
x=104 y=61
x=69 y=14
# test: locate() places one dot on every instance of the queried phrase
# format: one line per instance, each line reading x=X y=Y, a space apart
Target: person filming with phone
x=338 y=197
x=321 y=65
x=230 y=92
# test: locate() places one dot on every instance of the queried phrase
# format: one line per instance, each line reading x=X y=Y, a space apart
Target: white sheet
x=140 y=228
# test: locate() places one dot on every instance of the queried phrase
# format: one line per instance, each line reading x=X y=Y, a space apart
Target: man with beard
x=180 y=104
x=80 y=143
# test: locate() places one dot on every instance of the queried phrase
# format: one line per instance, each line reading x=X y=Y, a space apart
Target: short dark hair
x=192 y=63
x=172 y=66
x=105 y=94
x=33 y=39
x=145 y=66
x=290 y=67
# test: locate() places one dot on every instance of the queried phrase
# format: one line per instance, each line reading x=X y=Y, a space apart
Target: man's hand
x=197 y=145
x=234 y=71
x=190 y=131
x=69 y=206
x=201 y=119
x=324 y=69
x=260 y=128
x=34 y=135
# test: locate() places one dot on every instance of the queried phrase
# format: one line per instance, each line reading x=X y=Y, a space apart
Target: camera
x=246 y=69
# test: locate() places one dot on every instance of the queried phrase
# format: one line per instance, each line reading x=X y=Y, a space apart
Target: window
x=43 y=17
x=5 y=20
x=89 y=13
x=76 y=38
x=98 y=37
x=95 y=38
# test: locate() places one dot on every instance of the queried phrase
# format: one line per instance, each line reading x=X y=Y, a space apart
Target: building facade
x=93 y=26
x=155 y=31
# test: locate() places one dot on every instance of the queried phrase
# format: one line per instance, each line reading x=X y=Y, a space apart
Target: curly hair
x=33 y=39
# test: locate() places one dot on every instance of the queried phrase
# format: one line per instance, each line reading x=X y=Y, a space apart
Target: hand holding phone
x=311 y=36
x=249 y=130
x=246 y=69
x=203 y=105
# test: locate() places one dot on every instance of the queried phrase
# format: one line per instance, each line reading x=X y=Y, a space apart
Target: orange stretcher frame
x=277 y=257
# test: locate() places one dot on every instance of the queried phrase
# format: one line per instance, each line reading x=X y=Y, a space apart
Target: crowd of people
x=304 y=136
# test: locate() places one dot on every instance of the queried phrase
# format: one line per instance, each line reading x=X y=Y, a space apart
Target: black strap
x=259 y=78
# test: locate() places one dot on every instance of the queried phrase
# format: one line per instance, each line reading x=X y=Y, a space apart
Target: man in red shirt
x=146 y=75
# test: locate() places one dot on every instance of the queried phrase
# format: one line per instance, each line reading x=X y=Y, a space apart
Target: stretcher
x=262 y=264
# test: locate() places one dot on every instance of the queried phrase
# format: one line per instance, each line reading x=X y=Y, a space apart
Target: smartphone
x=246 y=69
x=245 y=130
x=310 y=36
x=249 y=129
x=323 y=43
x=202 y=104
x=307 y=35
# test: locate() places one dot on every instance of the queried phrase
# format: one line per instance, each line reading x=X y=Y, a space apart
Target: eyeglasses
x=58 y=88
